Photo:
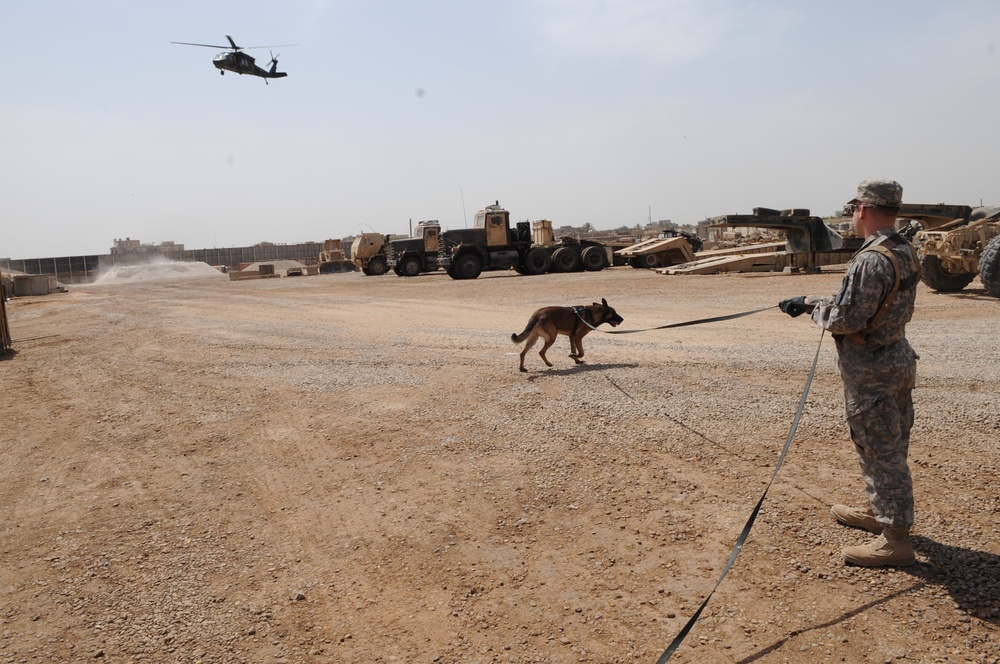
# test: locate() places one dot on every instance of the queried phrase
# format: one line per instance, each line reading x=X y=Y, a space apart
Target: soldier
x=867 y=318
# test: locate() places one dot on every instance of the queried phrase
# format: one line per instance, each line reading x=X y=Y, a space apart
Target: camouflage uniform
x=879 y=370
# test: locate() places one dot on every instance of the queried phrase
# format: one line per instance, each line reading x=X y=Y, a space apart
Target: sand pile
x=158 y=272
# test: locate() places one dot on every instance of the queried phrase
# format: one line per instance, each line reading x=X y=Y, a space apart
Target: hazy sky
x=601 y=111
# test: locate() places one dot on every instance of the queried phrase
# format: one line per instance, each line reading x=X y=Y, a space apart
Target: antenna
x=370 y=228
x=465 y=217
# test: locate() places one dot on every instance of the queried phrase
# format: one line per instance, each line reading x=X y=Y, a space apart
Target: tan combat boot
x=891 y=548
x=856 y=517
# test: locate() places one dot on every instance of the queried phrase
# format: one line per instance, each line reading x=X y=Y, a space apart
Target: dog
x=575 y=322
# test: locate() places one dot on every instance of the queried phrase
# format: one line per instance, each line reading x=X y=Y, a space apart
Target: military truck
x=493 y=245
x=411 y=256
x=955 y=243
x=368 y=253
x=570 y=254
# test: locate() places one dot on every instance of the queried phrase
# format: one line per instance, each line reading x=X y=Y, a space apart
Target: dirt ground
x=344 y=468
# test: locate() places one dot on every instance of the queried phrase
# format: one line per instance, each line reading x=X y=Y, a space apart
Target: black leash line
x=700 y=321
x=47 y=336
x=677 y=422
x=753 y=515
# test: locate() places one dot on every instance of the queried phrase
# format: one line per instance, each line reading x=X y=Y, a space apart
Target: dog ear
x=604 y=302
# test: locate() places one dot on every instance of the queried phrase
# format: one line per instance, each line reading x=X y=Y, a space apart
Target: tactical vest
x=884 y=246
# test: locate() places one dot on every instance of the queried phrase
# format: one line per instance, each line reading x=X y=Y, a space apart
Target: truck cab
x=368 y=253
x=496 y=221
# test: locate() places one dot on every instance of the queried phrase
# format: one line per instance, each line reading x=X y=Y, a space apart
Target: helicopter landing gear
x=222 y=73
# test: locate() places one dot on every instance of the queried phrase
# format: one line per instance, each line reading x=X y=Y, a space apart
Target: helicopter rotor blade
x=206 y=45
x=270 y=46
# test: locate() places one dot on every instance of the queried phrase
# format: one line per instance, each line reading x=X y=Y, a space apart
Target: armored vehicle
x=332 y=259
x=368 y=253
x=956 y=243
x=669 y=247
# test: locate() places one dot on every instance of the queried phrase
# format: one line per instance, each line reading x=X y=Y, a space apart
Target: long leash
x=753 y=515
x=700 y=321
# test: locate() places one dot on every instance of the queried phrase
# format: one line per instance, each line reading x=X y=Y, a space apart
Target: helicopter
x=235 y=60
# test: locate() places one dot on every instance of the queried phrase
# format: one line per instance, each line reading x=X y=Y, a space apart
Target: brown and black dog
x=575 y=322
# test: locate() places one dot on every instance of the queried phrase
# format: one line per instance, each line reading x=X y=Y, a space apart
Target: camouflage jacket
x=878 y=358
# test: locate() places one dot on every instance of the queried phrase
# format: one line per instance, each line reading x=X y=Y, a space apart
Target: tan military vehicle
x=368 y=253
x=956 y=243
x=332 y=259
x=669 y=247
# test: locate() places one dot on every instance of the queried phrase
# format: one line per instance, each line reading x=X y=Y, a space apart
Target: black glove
x=796 y=306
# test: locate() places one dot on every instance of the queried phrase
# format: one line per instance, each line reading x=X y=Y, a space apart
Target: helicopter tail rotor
x=274 y=62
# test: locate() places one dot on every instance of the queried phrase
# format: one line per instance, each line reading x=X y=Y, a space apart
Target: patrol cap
x=884 y=193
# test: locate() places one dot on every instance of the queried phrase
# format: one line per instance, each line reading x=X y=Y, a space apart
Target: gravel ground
x=344 y=468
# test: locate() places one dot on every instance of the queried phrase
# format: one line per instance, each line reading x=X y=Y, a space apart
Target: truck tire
x=941 y=280
x=565 y=259
x=536 y=261
x=645 y=261
x=594 y=259
x=409 y=266
x=467 y=266
x=989 y=267
x=376 y=267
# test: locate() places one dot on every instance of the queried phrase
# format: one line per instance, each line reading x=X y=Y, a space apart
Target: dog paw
x=523 y=370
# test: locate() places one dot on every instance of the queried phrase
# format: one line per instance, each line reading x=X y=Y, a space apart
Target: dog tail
x=518 y=338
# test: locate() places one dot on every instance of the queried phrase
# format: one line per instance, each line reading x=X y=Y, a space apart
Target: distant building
x=126 y=246
x=130 y=246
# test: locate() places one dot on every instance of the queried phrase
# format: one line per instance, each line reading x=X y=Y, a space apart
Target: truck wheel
x=648 y=261
x=565 y=260
x=467 y=266
x=989 y=267
x=409 y=266
x=376 y=267
x=536 y=261
x=594 y=259
x=940 y=279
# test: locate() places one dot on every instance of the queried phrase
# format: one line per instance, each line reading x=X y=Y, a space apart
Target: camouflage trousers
x=881 y=435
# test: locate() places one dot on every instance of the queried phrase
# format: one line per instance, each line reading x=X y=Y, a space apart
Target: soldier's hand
x=796 y=306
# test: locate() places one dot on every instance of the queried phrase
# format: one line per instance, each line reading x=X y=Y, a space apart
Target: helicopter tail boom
x=273 y=71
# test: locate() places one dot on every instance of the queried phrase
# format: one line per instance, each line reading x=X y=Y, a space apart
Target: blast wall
x=84 y=269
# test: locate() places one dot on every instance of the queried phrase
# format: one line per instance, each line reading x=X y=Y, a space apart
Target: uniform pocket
x=858 y=404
